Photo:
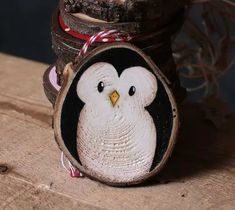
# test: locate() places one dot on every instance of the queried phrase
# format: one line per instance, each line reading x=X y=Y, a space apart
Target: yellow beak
x=114 y=96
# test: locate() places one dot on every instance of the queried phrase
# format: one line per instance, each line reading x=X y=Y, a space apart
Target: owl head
x=101 y=86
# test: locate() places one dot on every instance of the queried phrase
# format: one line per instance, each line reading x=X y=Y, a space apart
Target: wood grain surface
x=200 y=174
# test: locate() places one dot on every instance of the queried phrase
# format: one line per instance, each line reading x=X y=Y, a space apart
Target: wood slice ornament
x=50 y=85
x=115 y=117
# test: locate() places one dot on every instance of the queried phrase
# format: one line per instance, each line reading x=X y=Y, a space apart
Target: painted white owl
x=116 y=136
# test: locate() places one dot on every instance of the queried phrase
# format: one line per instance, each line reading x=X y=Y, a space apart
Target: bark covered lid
x=124 y=10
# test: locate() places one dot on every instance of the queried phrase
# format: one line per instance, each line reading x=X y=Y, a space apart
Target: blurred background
x=25 y=28
x=25 y=32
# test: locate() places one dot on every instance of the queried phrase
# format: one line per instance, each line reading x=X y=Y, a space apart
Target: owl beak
x=114 y=96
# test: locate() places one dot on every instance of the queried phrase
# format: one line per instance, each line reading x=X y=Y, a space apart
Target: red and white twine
x=70 y=168
x=105 y=36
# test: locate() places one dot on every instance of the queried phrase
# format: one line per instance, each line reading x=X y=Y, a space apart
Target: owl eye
x=100 y=87
x=132 y=90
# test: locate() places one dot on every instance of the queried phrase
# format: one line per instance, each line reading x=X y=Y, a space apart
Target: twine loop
x=104 y=36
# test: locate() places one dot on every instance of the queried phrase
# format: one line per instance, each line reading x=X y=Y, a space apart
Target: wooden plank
x=18 y=194
x=200 y=175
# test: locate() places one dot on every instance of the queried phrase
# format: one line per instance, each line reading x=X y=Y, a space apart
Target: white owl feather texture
x=116 y=136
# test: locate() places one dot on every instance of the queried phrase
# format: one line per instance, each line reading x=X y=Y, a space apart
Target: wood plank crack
x=32 y=194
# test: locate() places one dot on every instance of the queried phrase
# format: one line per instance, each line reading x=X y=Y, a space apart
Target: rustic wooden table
x=200 y=174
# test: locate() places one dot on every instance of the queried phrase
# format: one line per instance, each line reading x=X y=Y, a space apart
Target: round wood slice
x=115 y=116
x=51 y=88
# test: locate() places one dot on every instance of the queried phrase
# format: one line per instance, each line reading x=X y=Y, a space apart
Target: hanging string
x=106 y=35
x=74 y=173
